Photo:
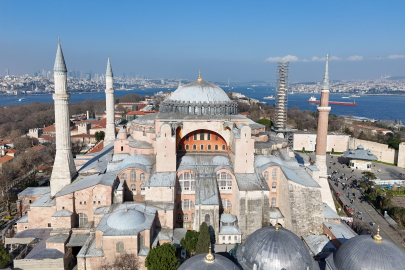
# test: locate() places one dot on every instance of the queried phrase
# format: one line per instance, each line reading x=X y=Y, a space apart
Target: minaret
x=321 y=139
x=64 y=168
x=109 y=105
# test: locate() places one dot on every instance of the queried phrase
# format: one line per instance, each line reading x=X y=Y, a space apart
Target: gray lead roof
x=109 y=71
x=198 y=262
x=60 y=65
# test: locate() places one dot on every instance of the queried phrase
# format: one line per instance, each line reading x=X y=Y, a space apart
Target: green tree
x=264 y=121
x=204 y=240
x=189 y=242
x=4 y=257
x=99 y=135
x=29 y=183
x=362 y=136
x=162 y=258
x=394 y=142
x=369 y=175
x=348 y=131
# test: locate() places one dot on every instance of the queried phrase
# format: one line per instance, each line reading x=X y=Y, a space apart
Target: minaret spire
x=64 y=168
x=199 y=76
x=109 y=105
x=322 y=139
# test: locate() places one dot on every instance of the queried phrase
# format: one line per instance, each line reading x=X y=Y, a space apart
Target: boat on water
x=352 y=96
x=22 y=99
x=345 y=97
x=269 y=97
x=314 y=100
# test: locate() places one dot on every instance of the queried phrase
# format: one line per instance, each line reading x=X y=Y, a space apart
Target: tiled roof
x=5 y=159
x=83 y=135
x=97 y=148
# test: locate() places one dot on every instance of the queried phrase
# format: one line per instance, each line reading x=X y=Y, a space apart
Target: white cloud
x=287 y=58
x=396 y=56
x=355 y=58
x=335 y=58
x=315 y=58
x=305 y=60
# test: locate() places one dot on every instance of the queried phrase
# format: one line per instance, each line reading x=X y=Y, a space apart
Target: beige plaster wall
x=40 y=217
x=401 y=155
x=382 y=151
x=162 y=194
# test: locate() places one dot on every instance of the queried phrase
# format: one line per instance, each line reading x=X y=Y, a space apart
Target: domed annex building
x=193 y=161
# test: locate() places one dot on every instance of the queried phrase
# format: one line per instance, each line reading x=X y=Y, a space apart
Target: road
x=368 y=213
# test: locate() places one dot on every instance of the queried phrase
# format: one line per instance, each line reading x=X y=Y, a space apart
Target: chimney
x=88 y=115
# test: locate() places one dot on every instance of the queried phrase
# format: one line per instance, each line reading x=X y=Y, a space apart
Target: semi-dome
x=227 y=218
x=125 y=219
x=135 y=159
x=199 y=98
x=272 y=248
x=364 y=252
x=208 y=262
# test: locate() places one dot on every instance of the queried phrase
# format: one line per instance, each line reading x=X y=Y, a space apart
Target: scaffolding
x=281 y=95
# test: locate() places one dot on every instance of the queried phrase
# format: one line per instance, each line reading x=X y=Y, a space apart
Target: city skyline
x=226 y=41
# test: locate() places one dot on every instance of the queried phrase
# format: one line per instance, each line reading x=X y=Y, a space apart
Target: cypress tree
x=189 y=242
x=4 y=257
x=204 y=240
x=162 y=258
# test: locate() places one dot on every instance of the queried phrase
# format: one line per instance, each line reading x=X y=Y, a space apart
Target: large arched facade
x=202 y=140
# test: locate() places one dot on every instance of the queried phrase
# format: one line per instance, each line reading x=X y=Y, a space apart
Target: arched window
x=186 y=182
x=202 y=135
x=133 y=176
x=133 y=189
x=207 y=218
x=187 y=138
x=143 y=189
x=274 y=174
x=273 y=202
x=216 y=147
x=119 y=247
x=224 y=181
x=81 y=219
x=194 y=147
x=274 y=187
x=209 y=136
x=185 y=217
x=226 y=204
x=124 y=177
x=266 y=175
x=223 y=147
x=195 y=136
x=202 y=147
x=192 y=217
x=142 y=177
x=187 y=147
x=186 y=205
x=209 y=147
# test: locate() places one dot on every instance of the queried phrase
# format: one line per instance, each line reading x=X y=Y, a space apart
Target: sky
x=236 y=40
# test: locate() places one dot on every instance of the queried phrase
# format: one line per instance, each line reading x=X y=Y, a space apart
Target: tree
x=204 y=241
x=7 y=197
x=29 y=183
x=99 y=135
x=5 y=258
x=362 y=136
x=369 y=175
x=189 y=242
x=22 y=143
x=162 y=258
x=264 y=121
x=77 y=147
x=394 y=142
x=125 y=261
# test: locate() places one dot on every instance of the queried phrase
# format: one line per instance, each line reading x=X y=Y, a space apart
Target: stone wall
x=337 y=142
x=306 y=210
x=401 y=155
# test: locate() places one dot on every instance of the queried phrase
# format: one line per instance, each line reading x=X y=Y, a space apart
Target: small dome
x=269 y=249
x=363 y=252
x=125 y=219
x=136 y=159
x=122 y=131
x=199 y=91
x=360 y=147
x=199 y=262
x=228 y=218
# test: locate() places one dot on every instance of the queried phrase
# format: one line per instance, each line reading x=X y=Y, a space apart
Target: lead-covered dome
x=125 y=219
x=208 y=262
x=199 y=92
x=273 y=249
x=199 y=98
x=364 y=252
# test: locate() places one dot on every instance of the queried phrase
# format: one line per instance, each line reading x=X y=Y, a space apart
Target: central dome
x=125 y=219
x=199 y=91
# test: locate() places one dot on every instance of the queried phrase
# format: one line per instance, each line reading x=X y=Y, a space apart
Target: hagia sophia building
x=196 y=160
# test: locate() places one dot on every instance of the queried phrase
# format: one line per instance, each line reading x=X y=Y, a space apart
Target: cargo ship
x=313 y=100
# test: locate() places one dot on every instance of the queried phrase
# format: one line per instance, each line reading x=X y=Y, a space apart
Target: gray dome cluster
x=199 y=98
x=199 y=262
x=271 y=249
x=363 y=252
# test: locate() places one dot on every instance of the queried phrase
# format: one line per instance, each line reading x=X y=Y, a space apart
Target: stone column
x=109 y=106
x=64 y=168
